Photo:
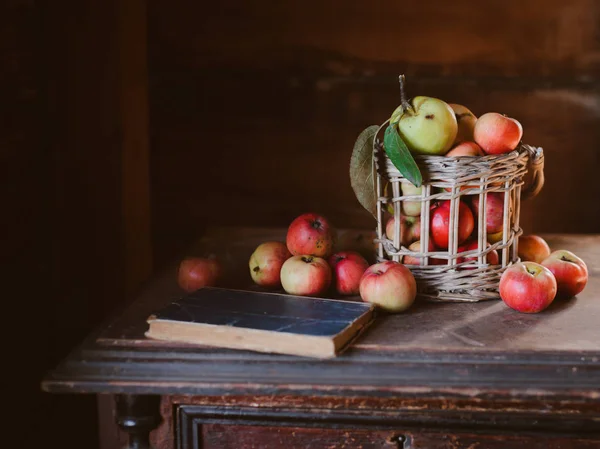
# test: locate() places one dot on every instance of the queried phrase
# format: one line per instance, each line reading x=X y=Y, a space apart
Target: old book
x=264 y=322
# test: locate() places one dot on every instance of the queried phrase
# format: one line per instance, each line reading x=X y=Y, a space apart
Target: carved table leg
x=138 y=415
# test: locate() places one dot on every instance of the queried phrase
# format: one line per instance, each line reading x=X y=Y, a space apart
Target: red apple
x=348 y=267
x=570 y=271
x=198 y=272
x=310 y=234
x=465 y=149
x=440 y=221
x=411 y=229
x=389 y=285
x=533 y=248
x=496 y=133
x=266 y=261
x=527 y=287
x=473 y=245
x=494 y=209
x=415 y=260
x=305 y=275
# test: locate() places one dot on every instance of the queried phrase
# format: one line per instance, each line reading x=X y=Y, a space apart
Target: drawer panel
x=220 y=436
x=223 y=428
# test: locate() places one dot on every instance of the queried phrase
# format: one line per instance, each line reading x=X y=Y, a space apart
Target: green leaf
x=362 y=170
x=401 y=157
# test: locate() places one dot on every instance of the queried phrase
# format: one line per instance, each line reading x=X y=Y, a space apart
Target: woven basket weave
x=456 y=179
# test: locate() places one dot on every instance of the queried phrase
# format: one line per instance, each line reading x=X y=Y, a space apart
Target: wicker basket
x=465 y=275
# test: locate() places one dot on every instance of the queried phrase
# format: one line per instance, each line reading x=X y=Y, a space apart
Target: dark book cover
x=266 y=322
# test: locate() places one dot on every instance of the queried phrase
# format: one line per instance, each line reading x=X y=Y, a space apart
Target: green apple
x=428 y=126
x=411 y=208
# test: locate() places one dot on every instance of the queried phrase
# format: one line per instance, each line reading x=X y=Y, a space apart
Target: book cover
x=264 y=322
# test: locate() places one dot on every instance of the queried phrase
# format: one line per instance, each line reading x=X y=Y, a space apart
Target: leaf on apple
x=362 y=170
x=401 y=157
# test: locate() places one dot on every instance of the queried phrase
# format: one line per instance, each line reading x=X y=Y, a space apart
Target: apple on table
x=266 y=262
x=527 y=287
x=310 y=234
x=305 y=275
x=197 y=272
x=389 y=285
x=533 y=248
x=348 y=267
x=570 y=271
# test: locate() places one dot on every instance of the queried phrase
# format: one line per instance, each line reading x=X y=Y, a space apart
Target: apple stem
x=403 y=101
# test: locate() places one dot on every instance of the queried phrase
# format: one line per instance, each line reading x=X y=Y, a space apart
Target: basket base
x=448 y=284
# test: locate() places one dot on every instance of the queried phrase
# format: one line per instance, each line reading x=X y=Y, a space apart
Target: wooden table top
x=466 y=348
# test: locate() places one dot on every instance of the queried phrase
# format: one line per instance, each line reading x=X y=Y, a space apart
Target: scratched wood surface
x=569 y=326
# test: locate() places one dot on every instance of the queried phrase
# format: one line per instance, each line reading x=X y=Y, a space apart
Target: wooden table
x=451 y=376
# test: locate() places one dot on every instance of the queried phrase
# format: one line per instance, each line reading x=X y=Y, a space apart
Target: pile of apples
x=306 y=265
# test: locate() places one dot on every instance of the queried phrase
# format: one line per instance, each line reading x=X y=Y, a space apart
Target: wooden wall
x=255 y=105
x=76 y=217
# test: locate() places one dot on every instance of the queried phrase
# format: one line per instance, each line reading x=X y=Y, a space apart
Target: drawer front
x=224 y=436
x=198 y=429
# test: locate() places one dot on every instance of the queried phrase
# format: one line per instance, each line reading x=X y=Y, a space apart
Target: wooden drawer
x=199 y=430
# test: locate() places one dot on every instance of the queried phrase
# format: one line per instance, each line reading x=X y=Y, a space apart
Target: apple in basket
x=465 y=149
x=497 y=134
x=527 y=287
x=389 y=285
x=570 y=271
x=440 y=223
x=348 y=267
x=465 y=120
x=310 y=234
x=491 y=258
x=410 y=230
x=415 y=260
x=494 y=209
x=412 y=208
x=305 y=276
x=266 y=262
x=427 y=125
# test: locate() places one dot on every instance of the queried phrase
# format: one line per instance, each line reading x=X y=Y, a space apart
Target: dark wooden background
x=128 y=127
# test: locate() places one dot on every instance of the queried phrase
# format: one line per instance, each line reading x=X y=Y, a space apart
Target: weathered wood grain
x=255 y=107
x=535 y=37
